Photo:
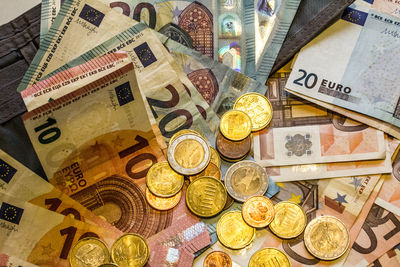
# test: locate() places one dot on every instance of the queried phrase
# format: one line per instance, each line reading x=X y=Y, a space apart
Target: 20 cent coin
x=130 y=250
x=289 y=221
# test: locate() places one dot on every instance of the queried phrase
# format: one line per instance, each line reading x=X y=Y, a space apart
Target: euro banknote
x=343 y=198
x=90 y=19
x=11 y=261
x=40 y=236
x=336 y=169
x=49 y=11
x=99 y=152
x=364 y=78
x=390 y=258
x=303 y=133
x=20 y=182
x=244 y=35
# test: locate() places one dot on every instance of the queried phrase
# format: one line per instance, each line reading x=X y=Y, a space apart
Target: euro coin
x=233 y=232
x=130 y=250
x=189 y=154
x=206 y=196
x=182 y=132
x=246 y=179
x=89 y=251
x=109 y=265
x=235 y=125
x=212 y=171
x=218 y=259
x=258 y=211
x=233 y=160
x=162 y=203
x=233 y=150
x=257 y=107
x=214 y=157
x=289 y=221
x=326 y=238
x=269 y=257
x=162 y=181
x=229 y=202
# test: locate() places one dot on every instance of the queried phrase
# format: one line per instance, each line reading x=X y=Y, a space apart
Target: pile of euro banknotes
x=114 y=82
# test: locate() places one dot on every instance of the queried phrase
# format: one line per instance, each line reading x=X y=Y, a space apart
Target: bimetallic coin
x=289 y=221
x=130 y=250
x=269 y=257
x=206 y=196
x=218 y=259
x=258 y=211
x=246 y=179
x=214 y=157
x=162 y=203
x=184 y=131
x=257 y=107
x=189 y=154
x=233 y=232
x=326 y=237
x=163 y=181
x=212 y=171
x=233 y=150
x=235 y=125
x=89 y=251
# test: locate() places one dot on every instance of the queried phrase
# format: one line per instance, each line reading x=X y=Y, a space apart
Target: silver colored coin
x=189 y=154
x=246 y=179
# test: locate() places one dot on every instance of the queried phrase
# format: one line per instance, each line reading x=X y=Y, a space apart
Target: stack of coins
x=129 y=250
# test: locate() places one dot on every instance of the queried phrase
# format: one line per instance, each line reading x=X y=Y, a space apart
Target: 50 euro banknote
x=303 y=133
x=364 y=78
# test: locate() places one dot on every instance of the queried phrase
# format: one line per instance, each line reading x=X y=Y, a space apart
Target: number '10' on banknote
x=354 y=64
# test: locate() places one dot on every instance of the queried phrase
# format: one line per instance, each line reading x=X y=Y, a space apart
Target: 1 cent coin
x=258 y=211
x=235 y=125
x=218 y=259
x=326 y=237
x=289 y=221
x=233 y=150
x=130 y=250
x=257 y=107
x=89 y=251
x=163 y=181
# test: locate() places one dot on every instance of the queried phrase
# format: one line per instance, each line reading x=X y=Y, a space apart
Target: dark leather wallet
x=312 y=17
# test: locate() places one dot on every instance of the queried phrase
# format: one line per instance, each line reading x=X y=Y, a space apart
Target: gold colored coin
x=258 y=211
x=163 y=181
x=215 y=157
x=269 y=257
x=89 y=251
x=189 y=154
x=130 y=250
x=233 y=232
x=289 y=221
x=162 y=203
x=257 y=107
x=206 y=196
x=235 y=125
x=326 y=237
x=233 y=160
x=212 y=171
x=182 y=132
x=109 y=265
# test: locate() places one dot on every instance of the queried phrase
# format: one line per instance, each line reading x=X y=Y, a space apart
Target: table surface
x=11 y=9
